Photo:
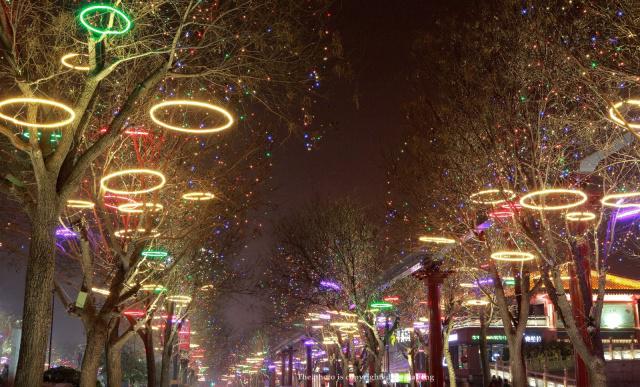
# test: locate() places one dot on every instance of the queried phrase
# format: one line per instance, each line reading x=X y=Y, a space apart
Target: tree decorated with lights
x=77 y=76
x=530 y=143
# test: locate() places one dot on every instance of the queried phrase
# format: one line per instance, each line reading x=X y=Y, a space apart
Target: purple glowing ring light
x=330 y=285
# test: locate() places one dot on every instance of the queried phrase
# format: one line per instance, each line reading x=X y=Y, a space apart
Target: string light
x=476 y=302
x=105 y=31
x=77 y=203
x=502 y=194
x=104 y=292
x=65 y=62
x=27 y=100
x=436 y=239
x=616 y=117
x=512 y=256
x=205 y=105
x=137 y=208
x=105 y=179
x=127 y=233
x=617 y=200
x=198 y=196
x=580 y=216
x=179 y=299
x=524 y=201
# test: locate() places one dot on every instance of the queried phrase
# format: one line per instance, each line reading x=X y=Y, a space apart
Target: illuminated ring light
x=205 y=105
x=343 y=324
x=138 y=208
x=580 y=216
x=618 y=119
x=477 y=197
x=546 y=192
x=204 y=288
x=476 y=302
x=467 y=285
x=105 y=179
x=198 y=196
x=152 y=254
x=153 y=288
x=104 y=31
x=348 y=330
x=12 y=101
x=512 y=256
x=612 y=200
x=501 y=214
x=75 y=203
x=179 y=299
x=127 y=233
x=436 y=239
x=65 y=62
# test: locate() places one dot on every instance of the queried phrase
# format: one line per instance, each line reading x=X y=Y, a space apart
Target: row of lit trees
x=523 y=98
x=112 y=63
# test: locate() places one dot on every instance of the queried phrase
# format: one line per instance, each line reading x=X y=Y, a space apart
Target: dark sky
x=349 y=161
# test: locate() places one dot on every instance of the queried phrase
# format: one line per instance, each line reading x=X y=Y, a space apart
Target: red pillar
x=435 y=329
x=581 y=371
x=309 y=371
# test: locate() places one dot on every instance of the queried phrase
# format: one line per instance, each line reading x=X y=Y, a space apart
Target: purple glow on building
x=331 y=285
x=627 y=213
x=64 y=232
x=309 y=342
x=271 y=366
x=420 y=325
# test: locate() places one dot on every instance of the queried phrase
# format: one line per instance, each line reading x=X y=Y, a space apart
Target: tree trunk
x=447 y=355
x=150 y=356
x=36 y=315
x=114 y=366
x=170 y=335
x=96 y=341
x=597 y=374
x=517 y=365
x=484 y=357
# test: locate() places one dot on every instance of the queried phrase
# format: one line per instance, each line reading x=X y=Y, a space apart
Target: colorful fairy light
x=527 y=202
x=65 y=62
x=105 y=31
x=138 y=208
x=77 y=203
x=226 y=114
x=159 y=175
x=436 y=239
x=580 y=216
x=492 y=196
x=512 y=256
x=198 y=196
x=617 y=200
x=27 y=100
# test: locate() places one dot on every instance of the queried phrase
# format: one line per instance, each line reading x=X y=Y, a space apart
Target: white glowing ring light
x=436 y=239
x=105 y=179
x=205 y=105
x=467 y=285
x=138 y=208
x=618 y=119
x=198 y=196
x=488 y=192
x=127 y=233
x=11 y=101
x=76 y=203
x=545 y=192
x=179 y=299
x=580 y=216
x=65 y=58
x=476 y=302
x=613 y=199
x=343 y=324
x=153 y=288
x=348 y=330
x=512 y=256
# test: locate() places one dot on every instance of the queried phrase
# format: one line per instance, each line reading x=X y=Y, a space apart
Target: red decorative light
x=134 y=312
x=501 y=214
x=391 y=298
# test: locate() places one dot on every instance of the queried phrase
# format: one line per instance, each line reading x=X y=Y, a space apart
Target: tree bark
x=36 y=315
x=114 y=366
x=167 y=351
x=447 y=355
x=147 y=338
x=96 y=341
x=484 y=357
x=517 y=365
x=597 y=373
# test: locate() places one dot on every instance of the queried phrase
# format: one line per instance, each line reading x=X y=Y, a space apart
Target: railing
x=536 y=379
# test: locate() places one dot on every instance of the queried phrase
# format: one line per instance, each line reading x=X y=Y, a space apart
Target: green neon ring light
x=111 y=9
